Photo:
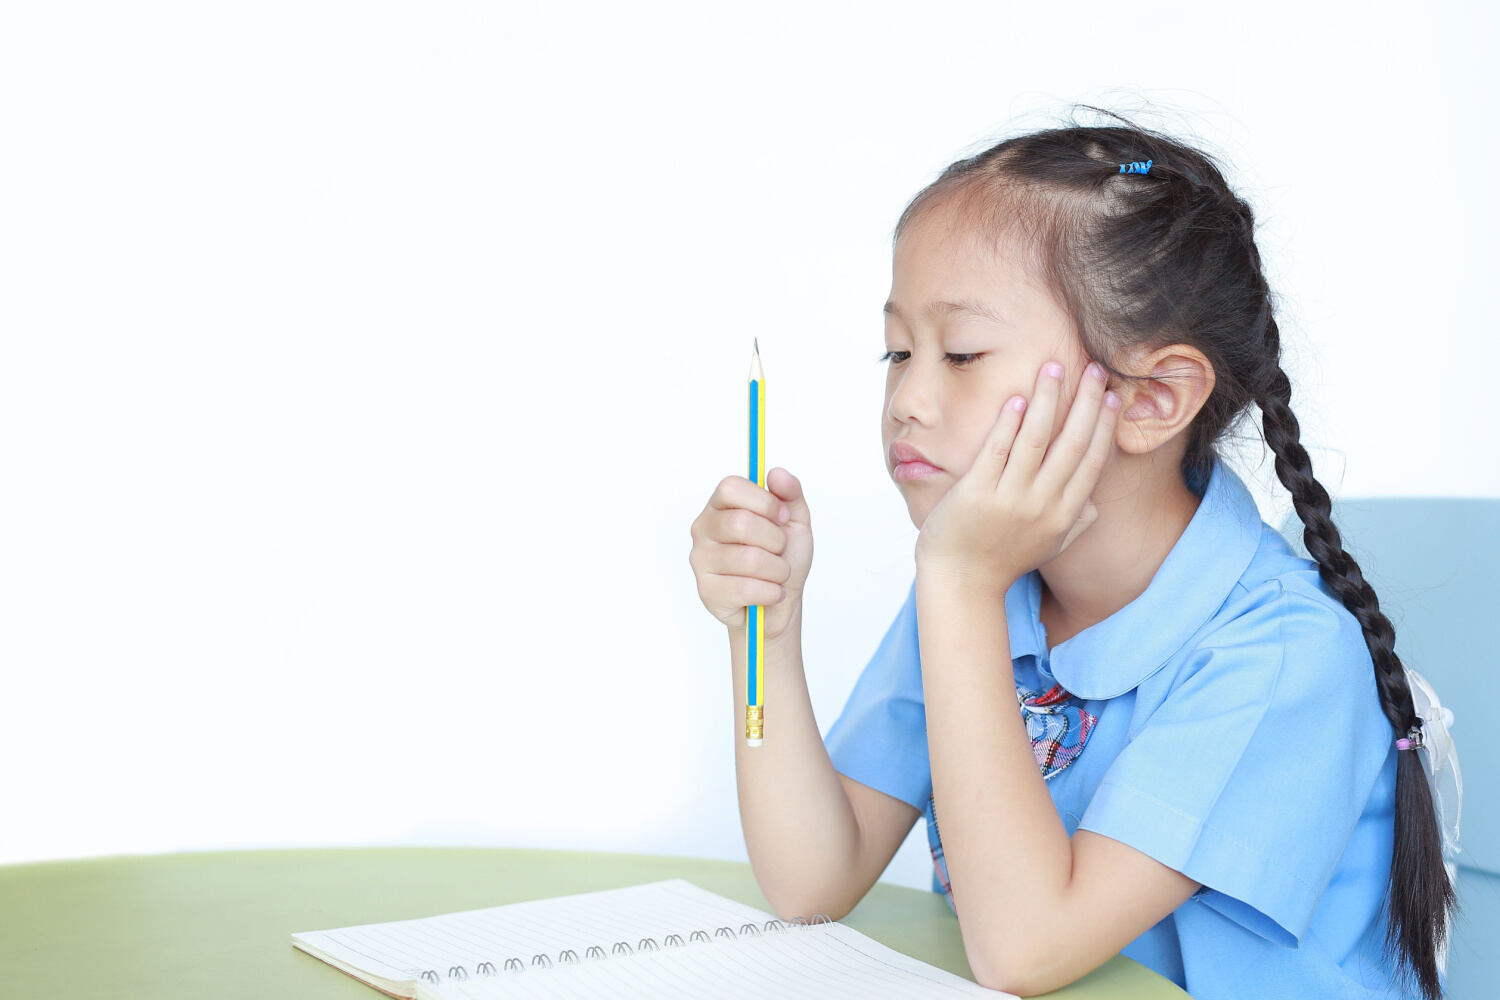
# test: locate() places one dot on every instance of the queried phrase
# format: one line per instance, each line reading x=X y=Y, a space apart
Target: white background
x=364 y=365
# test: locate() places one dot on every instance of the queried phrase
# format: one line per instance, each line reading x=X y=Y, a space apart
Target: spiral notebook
x=660 y=940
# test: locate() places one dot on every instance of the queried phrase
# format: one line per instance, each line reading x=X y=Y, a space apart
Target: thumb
x=788 y=489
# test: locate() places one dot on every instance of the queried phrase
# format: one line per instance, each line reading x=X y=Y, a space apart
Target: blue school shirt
x=1226 y=723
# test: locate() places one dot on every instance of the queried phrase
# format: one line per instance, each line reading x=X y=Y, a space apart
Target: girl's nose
x=918 y=386
x=909 y=399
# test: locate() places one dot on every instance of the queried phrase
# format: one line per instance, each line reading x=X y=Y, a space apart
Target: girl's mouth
x=906 y=471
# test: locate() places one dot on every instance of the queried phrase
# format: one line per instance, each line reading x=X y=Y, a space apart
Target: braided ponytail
x=1419 y=894
x=1163 y=252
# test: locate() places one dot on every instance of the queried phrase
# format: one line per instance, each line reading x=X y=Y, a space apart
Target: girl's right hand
x=742 y=554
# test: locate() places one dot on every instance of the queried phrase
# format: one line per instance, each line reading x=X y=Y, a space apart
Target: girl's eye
x=956 y=360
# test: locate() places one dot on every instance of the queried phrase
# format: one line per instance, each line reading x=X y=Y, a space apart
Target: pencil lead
x=757 y=345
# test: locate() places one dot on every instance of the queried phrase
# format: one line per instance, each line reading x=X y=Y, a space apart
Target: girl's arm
x=802 y=819
x=1017 y=877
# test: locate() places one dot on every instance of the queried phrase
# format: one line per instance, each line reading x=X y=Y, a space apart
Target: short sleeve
x=1250 y=775
x=880 y=738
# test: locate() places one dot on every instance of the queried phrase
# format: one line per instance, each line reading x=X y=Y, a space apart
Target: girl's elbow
x=811 y=913
x=1007 y=984
x=994 y=969
x=1010 y=979
x=808 y=905
x=1002 y=980
x=1017 y=970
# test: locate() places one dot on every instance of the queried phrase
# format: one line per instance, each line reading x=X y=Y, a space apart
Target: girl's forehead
x=947 y=268
x=933 y=265
x=945 y=240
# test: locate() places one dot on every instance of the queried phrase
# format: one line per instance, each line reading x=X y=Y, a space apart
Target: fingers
x=995 y=454
x=1076 y=494
x=1066 y=454
x=737 y=550
x=737 y=491
x=743 y=591
x=738 y=519
x=787 y=488
x=1036 y=430
x=740 y=528
x=740 y=547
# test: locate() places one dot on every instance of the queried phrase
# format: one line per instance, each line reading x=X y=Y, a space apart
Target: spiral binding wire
x=568 y=956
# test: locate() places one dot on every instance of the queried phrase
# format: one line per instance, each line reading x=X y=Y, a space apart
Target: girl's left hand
x=1027 y=495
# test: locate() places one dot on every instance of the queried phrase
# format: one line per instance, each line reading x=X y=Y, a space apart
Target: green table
x=219 y=924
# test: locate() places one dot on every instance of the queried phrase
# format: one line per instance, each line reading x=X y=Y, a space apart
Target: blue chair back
x=1434 y=563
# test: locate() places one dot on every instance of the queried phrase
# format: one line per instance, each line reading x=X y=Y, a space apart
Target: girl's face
x=970 y=329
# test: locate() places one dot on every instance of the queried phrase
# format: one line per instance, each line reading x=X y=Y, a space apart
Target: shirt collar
x=1113 y=656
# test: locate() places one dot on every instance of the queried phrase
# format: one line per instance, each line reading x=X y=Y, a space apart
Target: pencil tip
x=757 y=345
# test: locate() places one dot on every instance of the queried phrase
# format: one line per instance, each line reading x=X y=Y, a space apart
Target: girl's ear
x=1179 y=380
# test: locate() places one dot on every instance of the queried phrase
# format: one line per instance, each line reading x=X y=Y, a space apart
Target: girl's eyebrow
x=945 y=308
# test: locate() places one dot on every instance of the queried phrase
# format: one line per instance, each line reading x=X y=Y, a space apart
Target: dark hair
x=1145 y=261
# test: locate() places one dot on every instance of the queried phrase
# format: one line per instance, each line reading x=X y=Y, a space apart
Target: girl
x=1210 y=768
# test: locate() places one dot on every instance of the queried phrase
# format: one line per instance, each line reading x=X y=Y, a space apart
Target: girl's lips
x=901 y=452
x=905 y=471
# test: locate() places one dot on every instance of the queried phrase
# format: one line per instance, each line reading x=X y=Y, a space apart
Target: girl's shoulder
x=1288 y=589
x=1281 y=633
x=1249 y=756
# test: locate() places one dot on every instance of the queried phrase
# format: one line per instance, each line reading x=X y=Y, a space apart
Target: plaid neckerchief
x=1058 y=727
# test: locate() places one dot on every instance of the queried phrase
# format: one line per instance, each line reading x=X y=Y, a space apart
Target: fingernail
x=1054 y=369
x=1112 y=401
x=1096 y=370
x=784 y=515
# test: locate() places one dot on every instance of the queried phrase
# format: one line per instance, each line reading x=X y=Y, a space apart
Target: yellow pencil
x=755 y=633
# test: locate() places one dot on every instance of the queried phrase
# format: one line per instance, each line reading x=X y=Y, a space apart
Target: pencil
x=755 y=633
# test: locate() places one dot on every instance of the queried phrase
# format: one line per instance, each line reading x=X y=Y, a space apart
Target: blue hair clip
x=1137 y=167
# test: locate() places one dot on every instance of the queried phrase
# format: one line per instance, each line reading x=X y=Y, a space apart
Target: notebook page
x=817 y=962
x=458 y=944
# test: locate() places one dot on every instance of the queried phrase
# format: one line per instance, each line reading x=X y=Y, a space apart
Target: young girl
x=1133 y=719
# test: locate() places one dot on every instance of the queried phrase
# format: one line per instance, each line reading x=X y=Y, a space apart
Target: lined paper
x=817 y=962
x=404 y=949
x=462 y=956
